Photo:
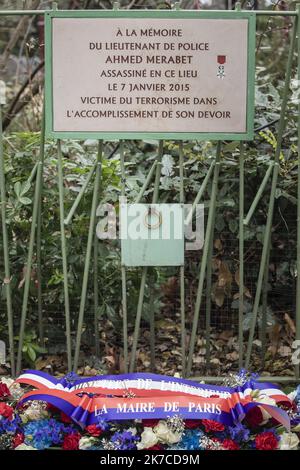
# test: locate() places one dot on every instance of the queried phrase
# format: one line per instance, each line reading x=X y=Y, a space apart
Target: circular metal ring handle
x=150 y=212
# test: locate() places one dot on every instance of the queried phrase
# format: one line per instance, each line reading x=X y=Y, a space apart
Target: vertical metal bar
x=96 y=290
x=64 y=254
x=181 y=273
x=158 y=172
x=268 y=228
x=145 y=269
x=88 y=255
x=208 y=295
x=203 y=263
x=36 y=203
x=263 y=330
x=208 y=292
x=125 y=319
x=96 y=296
x=297 y=371
x=241 y=254
x=152 y=332
x=152 y=313
x=7 y=279
x=123 y=268
x=138 y=319
x=39 y=270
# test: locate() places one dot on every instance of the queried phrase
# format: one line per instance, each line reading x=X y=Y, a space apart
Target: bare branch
x=20 y=29
x=18 y=102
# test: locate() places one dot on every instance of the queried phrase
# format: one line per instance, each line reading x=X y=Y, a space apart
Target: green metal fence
x=205 y=267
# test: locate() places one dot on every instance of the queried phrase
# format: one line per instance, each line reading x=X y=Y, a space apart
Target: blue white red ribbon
x=150 y=396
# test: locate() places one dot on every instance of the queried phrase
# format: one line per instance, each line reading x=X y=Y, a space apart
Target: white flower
x=167 y=165
x=288 y=441
x=266 y=400
x=133 y=431
x=25 y=447
x=86 y=442
x=292 y=395
x=35 y=411
x=148 y=439
x=7 y=381
x=165 y=435
x=14 y=387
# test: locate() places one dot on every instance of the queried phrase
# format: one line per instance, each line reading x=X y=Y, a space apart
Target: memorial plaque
x=145 y=74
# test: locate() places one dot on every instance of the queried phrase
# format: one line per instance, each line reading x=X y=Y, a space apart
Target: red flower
x=192 y=423
x=229 y=444
x=156 y=447
x=18 y=440
x=4 y=391
x=266 y=441
x=6 y=410
x=211 y=425
x=150 y=423
x=65 y=418
x=93 y=430
x=71 y=441
x=254 y=417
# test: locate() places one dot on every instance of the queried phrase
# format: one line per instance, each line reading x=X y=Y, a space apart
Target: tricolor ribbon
x=150 y=396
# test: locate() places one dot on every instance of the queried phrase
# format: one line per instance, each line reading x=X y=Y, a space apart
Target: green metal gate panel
x=152 y=234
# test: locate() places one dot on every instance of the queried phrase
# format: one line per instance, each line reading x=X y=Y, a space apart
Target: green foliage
x=21 y=154
x=31 y=349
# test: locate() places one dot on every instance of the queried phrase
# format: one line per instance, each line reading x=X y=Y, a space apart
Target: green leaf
x=17 y=188
x=39 y=349
x=25 y=188
x=31 y=353
x=233 y=225
x=25 y=201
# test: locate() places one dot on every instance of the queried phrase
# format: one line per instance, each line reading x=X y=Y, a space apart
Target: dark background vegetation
x=21 y=67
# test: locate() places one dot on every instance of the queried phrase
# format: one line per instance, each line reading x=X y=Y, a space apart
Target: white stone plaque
x=150 y=75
